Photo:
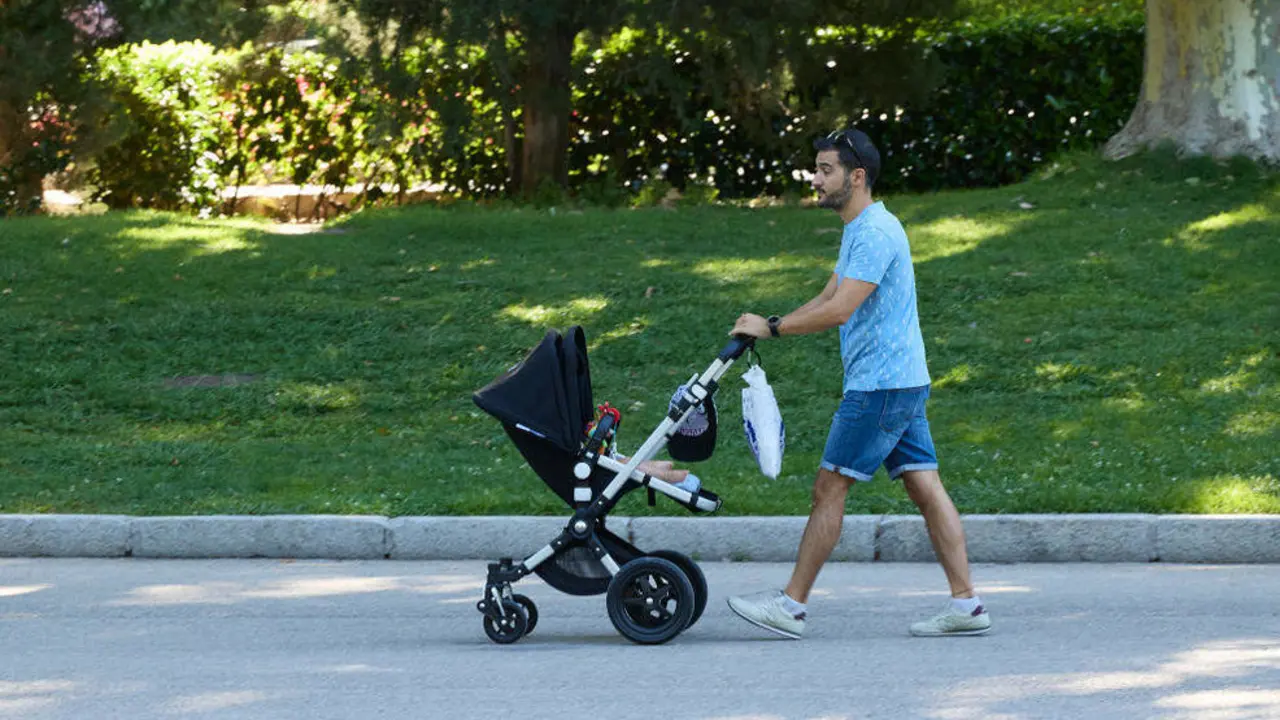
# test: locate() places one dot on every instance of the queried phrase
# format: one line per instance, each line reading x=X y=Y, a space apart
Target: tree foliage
x=752 y=52
x=46 y=48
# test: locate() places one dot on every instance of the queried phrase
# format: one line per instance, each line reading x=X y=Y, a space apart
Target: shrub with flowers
x=1011 y=93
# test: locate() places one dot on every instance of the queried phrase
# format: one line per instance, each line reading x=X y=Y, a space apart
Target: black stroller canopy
x=547 y=393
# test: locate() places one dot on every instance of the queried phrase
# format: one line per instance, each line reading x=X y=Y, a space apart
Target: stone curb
x=1107 y=538
x=273 y=536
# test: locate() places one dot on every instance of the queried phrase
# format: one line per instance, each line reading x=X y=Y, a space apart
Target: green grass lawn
x=1103 y=338
x=989 y=9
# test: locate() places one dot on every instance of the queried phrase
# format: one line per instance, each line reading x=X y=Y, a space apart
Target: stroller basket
x=545 y=404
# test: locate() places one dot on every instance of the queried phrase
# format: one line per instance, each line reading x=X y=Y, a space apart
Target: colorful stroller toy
x=545 y=405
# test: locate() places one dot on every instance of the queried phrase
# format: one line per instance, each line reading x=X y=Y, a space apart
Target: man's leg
x=854 y=450
x=945 y=531
x=784 y=612
x=965 y=614
x=821 y=533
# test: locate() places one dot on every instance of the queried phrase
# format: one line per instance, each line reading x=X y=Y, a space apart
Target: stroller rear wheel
x=513 y=624
x=696 y=579
x=650 y=600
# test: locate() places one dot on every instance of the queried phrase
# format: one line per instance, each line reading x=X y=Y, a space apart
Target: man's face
x=831 y=181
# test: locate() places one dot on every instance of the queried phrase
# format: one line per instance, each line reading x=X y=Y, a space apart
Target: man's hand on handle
x=751 y=324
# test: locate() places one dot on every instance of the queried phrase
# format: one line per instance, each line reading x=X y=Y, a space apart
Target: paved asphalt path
x=265 y=639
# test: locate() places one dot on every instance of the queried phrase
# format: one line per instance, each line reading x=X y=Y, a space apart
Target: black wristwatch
x=774 y=321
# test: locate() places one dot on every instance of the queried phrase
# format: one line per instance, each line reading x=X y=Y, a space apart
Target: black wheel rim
x=650 y=600
x=530 y=611
x=510 y=627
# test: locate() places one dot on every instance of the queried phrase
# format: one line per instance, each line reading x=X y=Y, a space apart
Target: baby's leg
x=664 y=470
x=661 y=469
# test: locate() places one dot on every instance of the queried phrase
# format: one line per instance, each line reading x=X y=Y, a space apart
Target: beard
x=836 y=200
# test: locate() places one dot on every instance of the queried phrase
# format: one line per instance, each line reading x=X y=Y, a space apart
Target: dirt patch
x=310 y=204
x=282 y=203
x=304 y=229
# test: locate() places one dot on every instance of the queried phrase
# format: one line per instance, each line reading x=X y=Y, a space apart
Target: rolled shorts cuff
x=860 y=477
x=896 y=473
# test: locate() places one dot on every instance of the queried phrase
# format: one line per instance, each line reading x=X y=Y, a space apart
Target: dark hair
x=856 y=151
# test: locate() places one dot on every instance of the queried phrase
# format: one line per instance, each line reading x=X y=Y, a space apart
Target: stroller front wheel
x=650 y=600
x=530 y=611
x=509 y=628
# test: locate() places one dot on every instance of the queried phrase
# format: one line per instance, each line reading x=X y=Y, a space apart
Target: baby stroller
x=545 y=405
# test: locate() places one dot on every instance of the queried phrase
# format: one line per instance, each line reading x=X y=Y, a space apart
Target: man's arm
x=815 y=316
x=831 y=312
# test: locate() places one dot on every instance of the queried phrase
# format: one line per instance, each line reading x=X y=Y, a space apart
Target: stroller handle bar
x=738 y=345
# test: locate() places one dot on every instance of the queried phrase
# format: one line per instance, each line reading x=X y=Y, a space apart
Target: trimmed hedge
x=193 y=120
x=166 y=128
x=1011 y=94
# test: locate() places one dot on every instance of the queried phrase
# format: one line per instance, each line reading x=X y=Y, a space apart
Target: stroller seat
x=545 y=406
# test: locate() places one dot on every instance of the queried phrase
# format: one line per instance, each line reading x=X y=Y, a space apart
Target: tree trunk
x=546 y=107
x=8 y=133
x=1211 y=83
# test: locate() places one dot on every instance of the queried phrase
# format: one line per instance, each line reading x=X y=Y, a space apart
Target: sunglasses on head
x=844 y=136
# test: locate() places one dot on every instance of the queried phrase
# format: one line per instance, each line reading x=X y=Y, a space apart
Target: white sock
x=966 y=605
x=793 y=607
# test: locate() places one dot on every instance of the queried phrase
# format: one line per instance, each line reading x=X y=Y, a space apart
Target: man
x=881 y=420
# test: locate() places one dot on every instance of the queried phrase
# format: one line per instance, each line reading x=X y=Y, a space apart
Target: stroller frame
x=660 y=575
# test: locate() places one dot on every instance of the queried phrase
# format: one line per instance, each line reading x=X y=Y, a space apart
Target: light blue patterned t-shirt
x=881 y=344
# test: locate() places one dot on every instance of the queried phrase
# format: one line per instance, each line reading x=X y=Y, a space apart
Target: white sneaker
x=954 y=622
x=766 y=610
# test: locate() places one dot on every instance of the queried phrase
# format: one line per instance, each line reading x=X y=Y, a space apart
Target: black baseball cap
x=865 y=154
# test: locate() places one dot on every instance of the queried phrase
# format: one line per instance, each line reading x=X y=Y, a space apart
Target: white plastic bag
x=766 y=433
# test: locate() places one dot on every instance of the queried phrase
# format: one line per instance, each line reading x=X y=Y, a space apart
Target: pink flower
x=93 y=21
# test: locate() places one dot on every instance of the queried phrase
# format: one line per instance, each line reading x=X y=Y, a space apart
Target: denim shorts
x=882 y=427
